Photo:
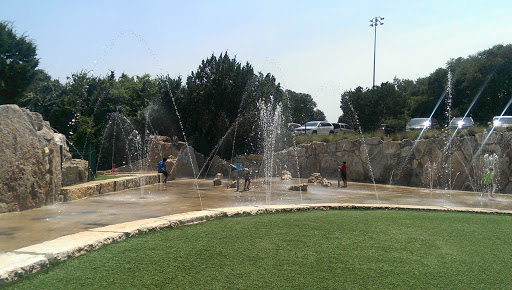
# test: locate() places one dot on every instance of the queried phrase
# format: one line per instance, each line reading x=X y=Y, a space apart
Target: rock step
x=94 y=188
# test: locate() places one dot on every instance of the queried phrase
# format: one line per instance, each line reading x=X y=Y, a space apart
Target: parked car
x=421 y=123
x=502 y=122
x=336 y=127
x=345 y=129
x=315 y=127
x=342 y=128
x=385 y=129
x=461 y=123
x=293 y=126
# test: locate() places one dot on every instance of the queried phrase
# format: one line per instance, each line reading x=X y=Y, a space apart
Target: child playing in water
x=162 y=168
x=488 y=180
x=247 y=183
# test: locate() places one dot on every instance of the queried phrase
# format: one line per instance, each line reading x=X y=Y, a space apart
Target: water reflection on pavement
x=20 y=229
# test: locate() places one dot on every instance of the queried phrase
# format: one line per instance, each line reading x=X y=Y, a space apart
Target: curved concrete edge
x=27 y=260
x=14 y=265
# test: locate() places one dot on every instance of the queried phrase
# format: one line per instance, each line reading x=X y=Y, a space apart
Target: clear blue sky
x=318 y=47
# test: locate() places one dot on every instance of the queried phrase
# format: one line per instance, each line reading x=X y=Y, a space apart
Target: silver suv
x=315 y=127
x=502 y=122
x=342 y=128
x=421 y=124
x=461 y=123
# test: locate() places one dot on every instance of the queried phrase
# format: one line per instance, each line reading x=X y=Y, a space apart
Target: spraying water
x=271 y=124
x=365 y=150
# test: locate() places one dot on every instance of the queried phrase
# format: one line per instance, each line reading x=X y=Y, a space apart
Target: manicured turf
x=333 y=249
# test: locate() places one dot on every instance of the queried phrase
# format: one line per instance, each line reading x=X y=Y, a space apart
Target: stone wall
x=436 y=163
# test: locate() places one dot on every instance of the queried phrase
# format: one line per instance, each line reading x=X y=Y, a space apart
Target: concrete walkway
x=29 y=240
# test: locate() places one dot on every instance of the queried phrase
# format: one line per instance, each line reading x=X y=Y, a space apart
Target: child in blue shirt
x=162 y=168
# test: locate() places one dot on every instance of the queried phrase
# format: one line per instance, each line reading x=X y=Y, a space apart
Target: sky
x=322 y=48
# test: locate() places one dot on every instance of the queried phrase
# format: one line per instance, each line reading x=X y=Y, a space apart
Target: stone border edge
x=28 y=260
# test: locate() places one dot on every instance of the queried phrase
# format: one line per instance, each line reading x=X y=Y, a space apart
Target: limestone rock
x=75 y=171
x=217 y=181
x=30 y=175
x=326 y=183
x=315 y=177
x=300 y=187
x=286 y=175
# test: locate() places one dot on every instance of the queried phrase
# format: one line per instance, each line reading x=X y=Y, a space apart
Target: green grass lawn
x=352 y=249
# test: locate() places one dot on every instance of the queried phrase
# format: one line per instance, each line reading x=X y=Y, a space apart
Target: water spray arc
x=271 y=124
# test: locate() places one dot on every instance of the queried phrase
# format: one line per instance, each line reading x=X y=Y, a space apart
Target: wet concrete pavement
x=31 y=227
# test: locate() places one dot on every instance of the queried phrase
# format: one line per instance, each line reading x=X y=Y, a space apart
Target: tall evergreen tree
x=17 y=64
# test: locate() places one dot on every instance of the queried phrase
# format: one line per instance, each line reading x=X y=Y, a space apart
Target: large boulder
x=74 y=171
x=30 y=175
x=218 y=179
x=286 y=175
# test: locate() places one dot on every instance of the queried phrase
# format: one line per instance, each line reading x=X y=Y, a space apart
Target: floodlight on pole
x=374 y=22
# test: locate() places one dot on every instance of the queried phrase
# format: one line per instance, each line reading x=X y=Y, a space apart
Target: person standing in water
x=162 y=168
x=343 y=173
x=247 y=182
x=488 y=182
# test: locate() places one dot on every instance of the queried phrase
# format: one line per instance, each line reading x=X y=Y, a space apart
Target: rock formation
x=315 y=177
x=286 y=175
x=74 y=171
x=218 y=179
x=435 y=163
x=30 y=171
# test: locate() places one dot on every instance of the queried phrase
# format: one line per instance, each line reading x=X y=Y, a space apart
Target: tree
x=17 y=64
x=484 y=78
x=369 y=107
x=212 y=100
x=43 y=95
x=303 y=108
x=318 y=115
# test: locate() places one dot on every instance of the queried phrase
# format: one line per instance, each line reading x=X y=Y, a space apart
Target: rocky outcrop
x=74 y=171
x=286 y=175
x=436 y=163
x=218 y=179
x=30 y=171
x=317 y=178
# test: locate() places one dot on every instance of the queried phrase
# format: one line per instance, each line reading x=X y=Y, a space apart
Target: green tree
x=17 y=64
x=212 y=100
x=43 y=96
x=303 y=108
x=484 y=78
x=369 y=107
x=260 y=88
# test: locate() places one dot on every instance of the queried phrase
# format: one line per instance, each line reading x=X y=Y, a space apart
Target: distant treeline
x=480 y=87
x=219 y=100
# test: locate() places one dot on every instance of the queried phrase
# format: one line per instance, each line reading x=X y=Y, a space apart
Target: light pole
x=374 y=22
